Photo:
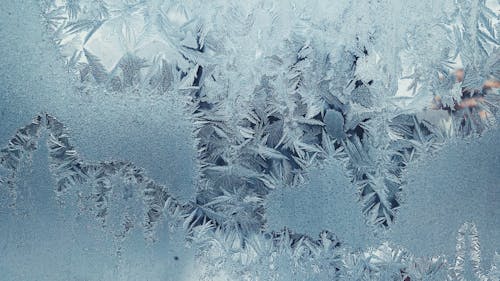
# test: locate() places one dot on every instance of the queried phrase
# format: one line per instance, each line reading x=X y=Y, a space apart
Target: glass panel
x=251 y=140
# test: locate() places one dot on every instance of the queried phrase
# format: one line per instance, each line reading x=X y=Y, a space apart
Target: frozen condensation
x=278 y=141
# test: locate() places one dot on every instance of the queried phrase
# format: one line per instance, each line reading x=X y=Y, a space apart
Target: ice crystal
x=347 y=91
x=19 y=150
x=70 y=170
x=274 y=89
x=229 y=241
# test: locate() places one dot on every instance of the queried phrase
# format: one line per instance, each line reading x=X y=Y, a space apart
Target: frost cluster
x=273 y=88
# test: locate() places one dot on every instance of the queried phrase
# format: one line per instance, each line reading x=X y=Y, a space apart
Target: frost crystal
x=275 y=90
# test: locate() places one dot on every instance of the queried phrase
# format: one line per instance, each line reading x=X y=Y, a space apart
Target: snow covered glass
x=249 y=140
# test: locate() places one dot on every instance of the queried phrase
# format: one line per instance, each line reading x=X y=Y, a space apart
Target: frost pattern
x=70 y=170
x=246 y=255
x=310 y=86
x=443 y=192
x=273 y=88
x=19 y=149
x=468 y=233
x=327 y=200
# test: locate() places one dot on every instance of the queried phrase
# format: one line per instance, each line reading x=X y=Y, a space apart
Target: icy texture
x=226 y=247
x=270 y=90
x=311 y=72
x=327 y=201
x=43 y=239
x=459 y=184
x=70 y=170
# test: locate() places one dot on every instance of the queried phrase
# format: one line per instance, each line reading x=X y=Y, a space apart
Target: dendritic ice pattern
x=276 y=140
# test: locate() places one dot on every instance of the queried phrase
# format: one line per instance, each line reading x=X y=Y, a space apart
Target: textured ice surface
x=211 y=117
x=42 y=240
x=326 y=201
x=103 y=126
x=459 y=184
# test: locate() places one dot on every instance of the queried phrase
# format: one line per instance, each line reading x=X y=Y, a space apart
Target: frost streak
x=468 y=247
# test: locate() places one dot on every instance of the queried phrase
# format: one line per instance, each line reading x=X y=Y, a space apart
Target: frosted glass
x=249 y=140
